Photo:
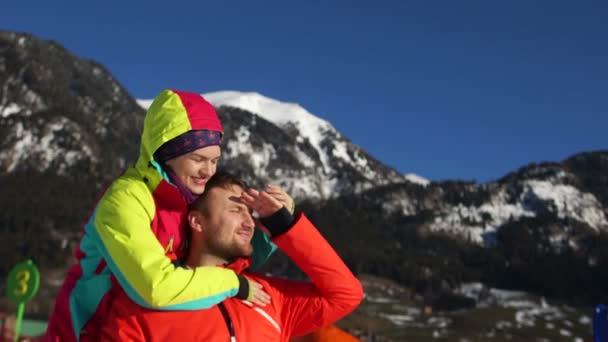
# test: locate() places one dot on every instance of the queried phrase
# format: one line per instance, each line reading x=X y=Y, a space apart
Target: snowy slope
x=287 y=115
x=281 y=114
x=479 y=210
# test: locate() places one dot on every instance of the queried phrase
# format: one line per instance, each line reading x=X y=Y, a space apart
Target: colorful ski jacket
x=136 y=232
x=296 y=308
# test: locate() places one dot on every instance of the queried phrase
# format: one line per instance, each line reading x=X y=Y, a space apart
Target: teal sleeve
x=262 y=249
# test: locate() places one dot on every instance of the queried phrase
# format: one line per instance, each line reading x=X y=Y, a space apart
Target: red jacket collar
x=240 y=264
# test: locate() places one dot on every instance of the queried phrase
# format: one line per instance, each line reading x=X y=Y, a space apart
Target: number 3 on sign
x=22 y=277
x=23 y=282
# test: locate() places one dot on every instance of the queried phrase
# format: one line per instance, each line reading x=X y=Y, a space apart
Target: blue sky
x=445 y=89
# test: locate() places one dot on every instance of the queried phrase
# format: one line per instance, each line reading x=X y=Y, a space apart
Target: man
x=222 y=229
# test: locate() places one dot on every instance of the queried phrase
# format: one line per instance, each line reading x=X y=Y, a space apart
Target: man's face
x=195 y=168
x=228 y=225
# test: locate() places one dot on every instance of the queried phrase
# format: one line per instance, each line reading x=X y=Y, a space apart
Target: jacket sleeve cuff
x=243 y=287
x=279 y=222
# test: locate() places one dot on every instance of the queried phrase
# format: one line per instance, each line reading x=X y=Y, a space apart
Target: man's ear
x=195 y=219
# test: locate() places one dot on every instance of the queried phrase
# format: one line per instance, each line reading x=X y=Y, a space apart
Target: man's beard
x=229 y=251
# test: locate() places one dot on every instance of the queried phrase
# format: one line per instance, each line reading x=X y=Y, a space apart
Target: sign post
x=23 y=283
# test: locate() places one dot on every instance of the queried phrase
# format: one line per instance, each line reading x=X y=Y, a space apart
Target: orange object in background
x=327 y=334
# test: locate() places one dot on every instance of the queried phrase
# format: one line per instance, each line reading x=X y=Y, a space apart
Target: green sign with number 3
x=23 y=282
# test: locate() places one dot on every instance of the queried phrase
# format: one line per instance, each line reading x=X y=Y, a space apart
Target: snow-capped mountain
x=325 y=163
x=476 y=211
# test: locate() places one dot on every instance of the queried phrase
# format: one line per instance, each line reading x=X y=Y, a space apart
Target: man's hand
x=257 y=295
x=280 y=195
x=261 y=202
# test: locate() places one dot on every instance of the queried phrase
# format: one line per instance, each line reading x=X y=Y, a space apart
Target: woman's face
x=195 y=168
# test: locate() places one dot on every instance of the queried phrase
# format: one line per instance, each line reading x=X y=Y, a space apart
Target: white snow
x=280 y=113
x=25 y=138
x=439 y=322
x=399 y=202
x=498 y=210
x=586 y=320
x=304 y=158
x=145 y=104
x=258 y=158
x=241 y=143
x=570 y=202
x=44 y=146
x=414 y=178
x=341 y=152
x=10 y=109
x=379 y=300
x=97 y=72
x=397 y=319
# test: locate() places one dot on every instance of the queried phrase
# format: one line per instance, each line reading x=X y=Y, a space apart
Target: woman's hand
x=257 y=295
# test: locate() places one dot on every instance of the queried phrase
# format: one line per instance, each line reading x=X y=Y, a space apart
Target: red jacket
x=297 y=308
x=328 y=334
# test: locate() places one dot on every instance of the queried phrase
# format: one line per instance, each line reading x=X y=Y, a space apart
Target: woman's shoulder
x=130 y=186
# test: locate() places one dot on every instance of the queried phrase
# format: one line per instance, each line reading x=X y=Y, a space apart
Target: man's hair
x=219 y=179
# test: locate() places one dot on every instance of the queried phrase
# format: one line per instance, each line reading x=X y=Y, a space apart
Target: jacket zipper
x=228 y=321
